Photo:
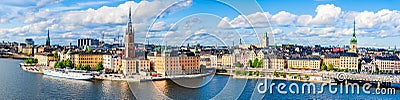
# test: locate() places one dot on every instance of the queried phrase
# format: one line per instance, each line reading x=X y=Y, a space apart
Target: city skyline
x=377 y=23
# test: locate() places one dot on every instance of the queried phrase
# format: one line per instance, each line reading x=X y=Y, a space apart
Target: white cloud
x=224 y=23
x=277 y=31
x=258 y=19
x=284 y=18
x=327 y=15
x=161 y=26
x=303 y=20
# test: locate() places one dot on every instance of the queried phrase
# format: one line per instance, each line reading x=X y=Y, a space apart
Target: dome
x=353 y=39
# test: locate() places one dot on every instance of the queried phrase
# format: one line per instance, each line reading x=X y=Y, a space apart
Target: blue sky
x=306 y=22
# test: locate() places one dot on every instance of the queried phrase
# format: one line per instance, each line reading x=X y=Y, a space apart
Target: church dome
x=353 y=39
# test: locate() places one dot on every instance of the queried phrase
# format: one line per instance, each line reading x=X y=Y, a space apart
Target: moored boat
x=67 y=73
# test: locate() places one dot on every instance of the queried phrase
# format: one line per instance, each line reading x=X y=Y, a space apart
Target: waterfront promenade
x=117 y=77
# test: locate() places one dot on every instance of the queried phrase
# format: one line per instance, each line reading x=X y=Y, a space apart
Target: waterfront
x=18 y=84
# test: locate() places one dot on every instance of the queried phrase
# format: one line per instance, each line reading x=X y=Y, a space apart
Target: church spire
x=130 y=14
x=130 y=28
x=48 y=38
x=354 y=28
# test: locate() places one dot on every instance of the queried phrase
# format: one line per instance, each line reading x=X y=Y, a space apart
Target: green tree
x=28 y=61
x=35 y=60
x=306 y=76
x=56 y=65
x=243 y=72
x=238 y=64
x=55 y=55
x=255 y=63
x=260 y=63
x=297 y=75
x=236 y=72
x=257 y=73
x=249 y=63
x=99 y=66
x=68 y=63
x=80 y=66
x=330 y=67
x=323 y=66
x=281 y=74
x=290 y=74
x=61 y=64
x=274 y=73
x=87 y=67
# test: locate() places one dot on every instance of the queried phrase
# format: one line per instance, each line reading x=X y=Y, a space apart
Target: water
x=17 y=84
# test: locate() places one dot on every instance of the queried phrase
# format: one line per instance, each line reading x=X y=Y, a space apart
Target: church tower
x=48 y=38
x=265 y=41
x=353 y=40
x=129 y=39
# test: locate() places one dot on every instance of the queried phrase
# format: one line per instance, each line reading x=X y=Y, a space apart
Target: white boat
x=67 y=73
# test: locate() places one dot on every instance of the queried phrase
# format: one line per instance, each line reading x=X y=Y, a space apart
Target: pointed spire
x=130 y=13
x=48 y=38
x=240 y=41
x=354 y=28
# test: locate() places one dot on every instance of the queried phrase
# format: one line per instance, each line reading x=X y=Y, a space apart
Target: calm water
x=17 y=84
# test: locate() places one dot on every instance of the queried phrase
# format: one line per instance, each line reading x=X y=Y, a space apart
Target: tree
x=55 y=55
x=243 y=72
x=255 y=63
x=68 y=63
x=297 y=75
x=257 y=73
x=61 y=64
x=87 y=67
x=31 y=60
x=35 y=60
x=281 y=74
x=306 y=76
x=236 y=72
x=323 y=66
x=260 y=63
x=249 y=63
x=238 y=64
x=56 y=65
x=80 y=66
x=274 y=73
x=330 y=67
x=99 y=66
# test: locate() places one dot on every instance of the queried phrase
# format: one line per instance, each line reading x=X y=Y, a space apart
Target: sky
x=208 y=22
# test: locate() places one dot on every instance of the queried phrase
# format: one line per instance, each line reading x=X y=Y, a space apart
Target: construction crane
x=117 y=38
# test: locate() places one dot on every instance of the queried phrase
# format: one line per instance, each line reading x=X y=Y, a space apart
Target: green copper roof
x=354 y=38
